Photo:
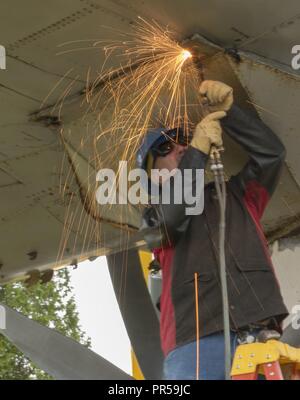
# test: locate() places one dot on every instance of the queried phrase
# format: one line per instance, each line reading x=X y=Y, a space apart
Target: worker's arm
x=259 y=177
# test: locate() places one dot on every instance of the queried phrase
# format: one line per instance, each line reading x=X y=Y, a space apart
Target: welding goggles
x=169 y=139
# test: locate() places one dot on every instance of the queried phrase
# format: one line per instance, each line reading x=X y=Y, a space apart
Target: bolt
x=238 y=366
x=32 y=255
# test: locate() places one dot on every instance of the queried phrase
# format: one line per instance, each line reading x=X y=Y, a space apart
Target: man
x=191 y=241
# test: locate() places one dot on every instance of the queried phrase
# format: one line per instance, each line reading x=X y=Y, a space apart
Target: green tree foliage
x=53 y=305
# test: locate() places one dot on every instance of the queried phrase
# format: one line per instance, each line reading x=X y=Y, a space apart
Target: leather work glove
x=208 y=132
x=218 y=94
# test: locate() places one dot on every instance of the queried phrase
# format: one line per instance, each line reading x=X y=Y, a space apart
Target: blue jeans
x=180 y=363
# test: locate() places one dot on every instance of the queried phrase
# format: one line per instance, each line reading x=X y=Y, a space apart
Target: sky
x=99 y=312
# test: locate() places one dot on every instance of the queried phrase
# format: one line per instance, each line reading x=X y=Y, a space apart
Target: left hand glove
x=219 y=95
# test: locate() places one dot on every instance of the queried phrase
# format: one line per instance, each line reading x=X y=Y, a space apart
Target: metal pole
x=218 y=171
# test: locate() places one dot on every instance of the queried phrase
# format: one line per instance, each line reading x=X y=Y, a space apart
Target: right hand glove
x=208 y=132
x=218 y=94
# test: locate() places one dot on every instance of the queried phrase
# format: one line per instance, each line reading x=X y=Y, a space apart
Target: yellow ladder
x=266 y=358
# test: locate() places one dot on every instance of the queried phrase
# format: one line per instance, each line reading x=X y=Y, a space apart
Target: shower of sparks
x=150 y=89
x=155 y=84
x=185 y=54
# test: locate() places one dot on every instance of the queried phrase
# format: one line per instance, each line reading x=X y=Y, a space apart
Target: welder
x=194 y=347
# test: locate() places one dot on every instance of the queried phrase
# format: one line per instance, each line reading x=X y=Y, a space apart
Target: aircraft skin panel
x=39 y=44
x=36 y=43
x=275 y=91
x=35 y=163
x=275 y=25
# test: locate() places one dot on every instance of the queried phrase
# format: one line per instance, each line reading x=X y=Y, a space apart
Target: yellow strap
x=145 y=258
